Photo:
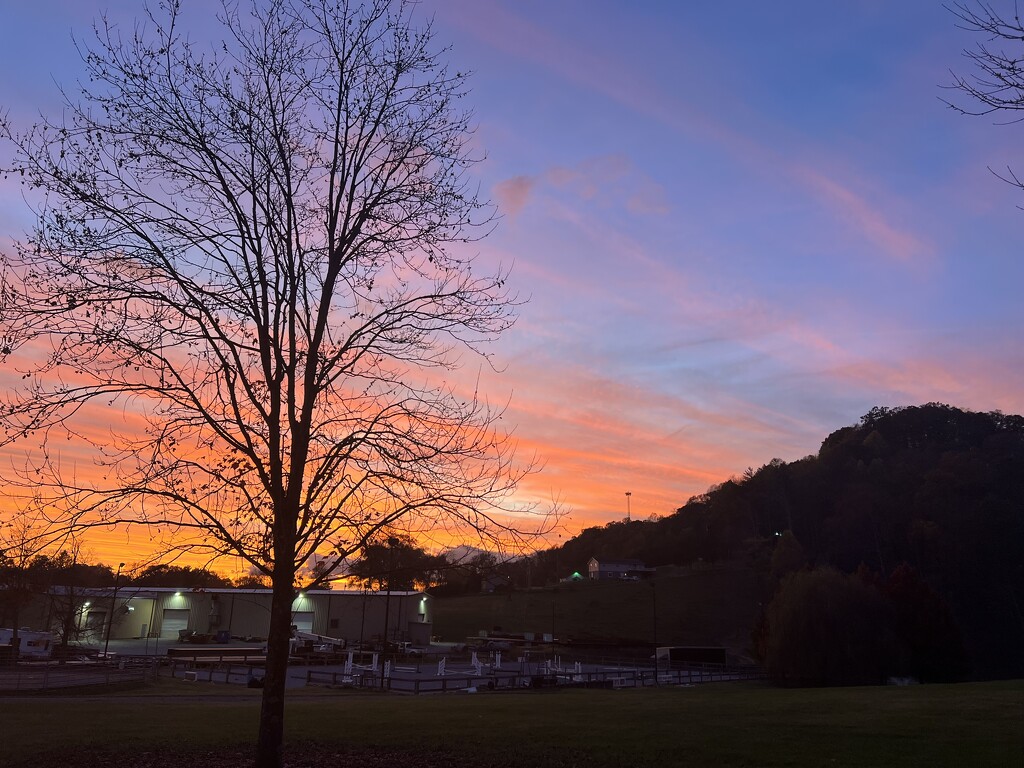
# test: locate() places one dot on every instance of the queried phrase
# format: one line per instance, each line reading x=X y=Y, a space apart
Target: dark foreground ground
x=190 y=725
x=299 y=756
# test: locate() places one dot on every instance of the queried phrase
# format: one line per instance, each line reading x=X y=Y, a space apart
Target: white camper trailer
x=31 y=644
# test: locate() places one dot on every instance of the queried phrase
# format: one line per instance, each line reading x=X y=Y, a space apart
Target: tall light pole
x=654 y=625
x=628 y=515
x=113 y=606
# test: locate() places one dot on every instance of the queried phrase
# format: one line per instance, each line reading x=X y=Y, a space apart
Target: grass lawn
x=731 y=724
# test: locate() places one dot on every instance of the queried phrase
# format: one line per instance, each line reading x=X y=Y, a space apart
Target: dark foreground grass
x=720 y=725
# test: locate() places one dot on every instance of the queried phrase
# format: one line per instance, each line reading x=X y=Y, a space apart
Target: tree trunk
x=15 y=639
x=269 y=750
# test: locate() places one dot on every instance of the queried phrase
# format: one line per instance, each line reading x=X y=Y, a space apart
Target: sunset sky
x=740 y=225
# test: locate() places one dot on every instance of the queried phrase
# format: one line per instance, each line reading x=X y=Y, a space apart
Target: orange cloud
x=601 y=436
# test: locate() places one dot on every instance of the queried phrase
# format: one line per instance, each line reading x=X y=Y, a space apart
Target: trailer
x=682 y=656
x=32 y=644
x=308 y=644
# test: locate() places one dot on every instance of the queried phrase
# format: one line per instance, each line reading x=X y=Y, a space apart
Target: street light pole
x=628 y=514
x=113 y=607
x=654 y=625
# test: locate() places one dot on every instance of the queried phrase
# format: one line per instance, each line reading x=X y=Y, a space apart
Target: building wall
x=133 y=617
x=346 y=615
x=244 y=614
x=196 y=603
x=135 y=622
x=360 y=616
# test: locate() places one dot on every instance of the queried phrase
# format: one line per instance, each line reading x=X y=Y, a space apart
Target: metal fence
x=418 y=677
x=539 y=676
x=48 y=677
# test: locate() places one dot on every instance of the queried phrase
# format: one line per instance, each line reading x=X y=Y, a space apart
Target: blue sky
x=741 y=225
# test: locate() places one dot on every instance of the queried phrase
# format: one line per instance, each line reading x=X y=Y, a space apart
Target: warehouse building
x=170 y=614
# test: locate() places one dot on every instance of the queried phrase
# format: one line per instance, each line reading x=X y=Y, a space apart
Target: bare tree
x=995 y=85
x=63 y=577
x=250 y=254
x=19 y=545
x=25 y=537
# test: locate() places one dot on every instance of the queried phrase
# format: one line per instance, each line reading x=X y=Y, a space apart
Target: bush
x=828 y=628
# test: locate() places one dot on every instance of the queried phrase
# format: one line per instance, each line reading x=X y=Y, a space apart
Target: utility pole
x=113 y=607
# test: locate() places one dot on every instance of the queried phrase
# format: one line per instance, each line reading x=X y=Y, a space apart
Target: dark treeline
x=931 y=488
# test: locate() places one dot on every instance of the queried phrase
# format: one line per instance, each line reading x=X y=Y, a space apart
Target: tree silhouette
x=61 y=578
x=828 y=628
x=170 y=575
x=995 y=85
x=251 y=252
x=395 y=563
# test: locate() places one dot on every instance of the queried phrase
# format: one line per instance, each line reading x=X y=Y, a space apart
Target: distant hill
x=933 y=486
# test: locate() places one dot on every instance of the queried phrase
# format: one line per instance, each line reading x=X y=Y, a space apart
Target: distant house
x=494 y=582
x=617 y=569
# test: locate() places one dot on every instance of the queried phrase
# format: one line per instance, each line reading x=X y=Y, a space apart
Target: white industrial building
x=169 y=614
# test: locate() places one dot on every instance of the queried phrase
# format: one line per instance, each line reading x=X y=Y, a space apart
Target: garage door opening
x=175 y=620
x=303 y=621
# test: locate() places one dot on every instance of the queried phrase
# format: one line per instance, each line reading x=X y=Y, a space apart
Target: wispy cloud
x=613 y=77
x=867 y=219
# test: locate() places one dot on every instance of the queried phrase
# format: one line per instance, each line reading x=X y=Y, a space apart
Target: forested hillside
x=933 y=487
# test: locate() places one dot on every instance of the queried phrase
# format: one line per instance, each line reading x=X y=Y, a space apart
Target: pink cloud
x=513 y=194
x=875 y=226
x=959 y=378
